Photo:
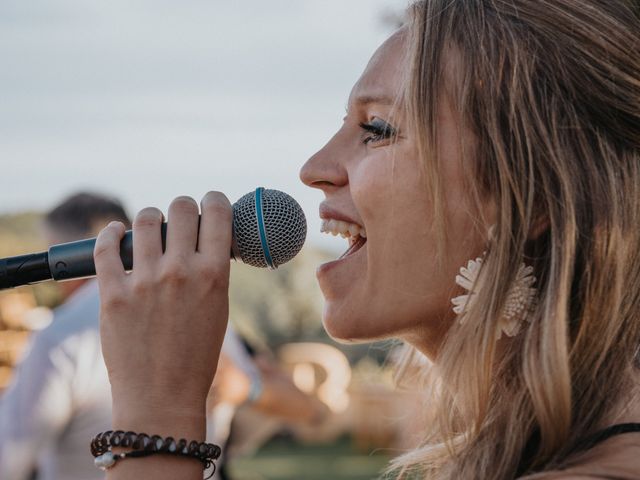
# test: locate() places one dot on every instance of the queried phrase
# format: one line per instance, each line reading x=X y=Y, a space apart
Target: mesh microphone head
x=284 y=228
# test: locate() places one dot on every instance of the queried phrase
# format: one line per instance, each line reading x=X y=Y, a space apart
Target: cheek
x=391 y=195
x=370 y=184
x=389 y=191
x=404 y=281
x=408 y=284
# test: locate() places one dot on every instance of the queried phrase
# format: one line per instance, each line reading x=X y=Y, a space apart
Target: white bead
x=104 y=461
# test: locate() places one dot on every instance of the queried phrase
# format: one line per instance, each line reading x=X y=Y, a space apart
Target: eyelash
x=378 y=132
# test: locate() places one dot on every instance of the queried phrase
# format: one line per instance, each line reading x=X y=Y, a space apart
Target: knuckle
x=102 y=248
x=140 y=286
x=112 y=300
x=216 y=273
x=175 y=273
x=106 y=241
x=148 y=217
x=219 y=282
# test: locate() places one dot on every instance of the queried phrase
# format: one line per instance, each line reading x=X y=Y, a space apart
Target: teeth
x=344 y=229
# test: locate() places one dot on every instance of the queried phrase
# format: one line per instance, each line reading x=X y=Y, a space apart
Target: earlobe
x=538 y=227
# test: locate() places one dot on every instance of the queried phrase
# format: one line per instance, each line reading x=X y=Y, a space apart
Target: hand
x=163 y=324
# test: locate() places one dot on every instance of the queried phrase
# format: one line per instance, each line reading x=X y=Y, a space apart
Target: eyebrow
x=368 y=99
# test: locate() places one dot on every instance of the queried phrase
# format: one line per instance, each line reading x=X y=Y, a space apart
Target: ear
x=538 y=227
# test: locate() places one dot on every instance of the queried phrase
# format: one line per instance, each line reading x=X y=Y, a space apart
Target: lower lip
x=326 y=267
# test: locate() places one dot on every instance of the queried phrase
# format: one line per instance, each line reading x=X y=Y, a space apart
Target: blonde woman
x=502 y=136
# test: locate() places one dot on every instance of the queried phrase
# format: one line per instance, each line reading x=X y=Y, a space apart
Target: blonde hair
x=550 y=91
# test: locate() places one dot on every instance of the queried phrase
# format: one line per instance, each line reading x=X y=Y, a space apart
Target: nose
x=324 y=170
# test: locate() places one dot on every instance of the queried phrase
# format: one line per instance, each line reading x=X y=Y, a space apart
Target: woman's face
x=393 y=284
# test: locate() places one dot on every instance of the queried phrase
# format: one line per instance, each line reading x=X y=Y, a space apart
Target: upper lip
x=328 y=213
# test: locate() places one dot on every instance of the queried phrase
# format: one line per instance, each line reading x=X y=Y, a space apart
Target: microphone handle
x=75 y=259
x=62 y=262
x=24 y=269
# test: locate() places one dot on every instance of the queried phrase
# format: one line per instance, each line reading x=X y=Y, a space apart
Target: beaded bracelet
x=143 y=445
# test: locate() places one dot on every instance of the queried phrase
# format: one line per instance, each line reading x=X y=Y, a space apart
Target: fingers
x=212 y=240
x=106 y=255
x=182 y=226
x=147 y=241
x=216 y=226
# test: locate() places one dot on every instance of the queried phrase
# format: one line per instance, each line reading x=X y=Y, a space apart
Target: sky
x=150 y=99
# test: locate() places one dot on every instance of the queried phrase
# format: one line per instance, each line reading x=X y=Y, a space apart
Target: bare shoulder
x=616 y=459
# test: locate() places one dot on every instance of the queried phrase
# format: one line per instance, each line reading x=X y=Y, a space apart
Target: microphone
x=269 y=229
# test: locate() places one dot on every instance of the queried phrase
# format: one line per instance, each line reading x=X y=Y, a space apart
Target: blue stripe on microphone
x=261 y=229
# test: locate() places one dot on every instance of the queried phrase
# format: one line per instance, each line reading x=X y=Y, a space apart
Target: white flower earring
x=520 y=299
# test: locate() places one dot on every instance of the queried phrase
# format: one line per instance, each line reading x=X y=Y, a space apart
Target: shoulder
x=79 y=314
x=75 y=324
x=617 y=458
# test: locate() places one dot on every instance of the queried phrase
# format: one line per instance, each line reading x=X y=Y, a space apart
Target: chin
x=352 y=328
x=342 y=335
x=340 y=327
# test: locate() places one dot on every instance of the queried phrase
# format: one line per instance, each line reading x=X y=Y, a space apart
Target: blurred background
x=146 y=100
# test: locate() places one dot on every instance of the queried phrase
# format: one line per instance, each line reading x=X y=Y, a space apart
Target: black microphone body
x=24 y=270
x=60 y=262
x=269 y=229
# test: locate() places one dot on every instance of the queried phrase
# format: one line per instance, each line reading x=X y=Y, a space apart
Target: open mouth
x=356 y=234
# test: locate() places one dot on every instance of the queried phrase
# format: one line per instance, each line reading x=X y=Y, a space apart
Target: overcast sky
x=149 y=99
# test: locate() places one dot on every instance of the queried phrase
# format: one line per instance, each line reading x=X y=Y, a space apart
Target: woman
x=505 y=132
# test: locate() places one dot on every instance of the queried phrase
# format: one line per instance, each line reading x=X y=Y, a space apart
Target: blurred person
x=61 y=393
x=247 y=379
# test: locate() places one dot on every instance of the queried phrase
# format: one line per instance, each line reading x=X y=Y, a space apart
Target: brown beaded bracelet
x=143 y=445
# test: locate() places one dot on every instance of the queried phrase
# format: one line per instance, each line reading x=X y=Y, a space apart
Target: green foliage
x=279 y=306
x=285 y=459
x=21 y=233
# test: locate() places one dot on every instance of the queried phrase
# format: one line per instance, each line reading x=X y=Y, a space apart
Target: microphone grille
x=285 y=228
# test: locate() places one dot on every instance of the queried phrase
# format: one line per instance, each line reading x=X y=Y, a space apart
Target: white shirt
x=59 y=399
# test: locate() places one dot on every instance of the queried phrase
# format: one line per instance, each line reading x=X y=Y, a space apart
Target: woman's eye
x=377 y=130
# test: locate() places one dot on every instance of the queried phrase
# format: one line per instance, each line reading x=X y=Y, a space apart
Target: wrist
x=165 y=417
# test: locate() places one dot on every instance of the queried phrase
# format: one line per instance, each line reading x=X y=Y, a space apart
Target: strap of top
x=607 y=433
x=585 y=444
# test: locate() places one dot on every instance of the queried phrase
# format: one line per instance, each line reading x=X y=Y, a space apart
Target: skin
x=394 y=286
x=160 y=371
